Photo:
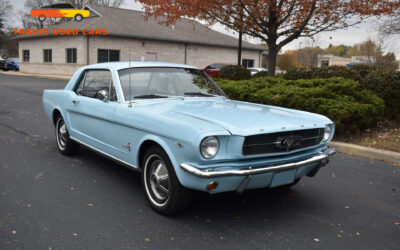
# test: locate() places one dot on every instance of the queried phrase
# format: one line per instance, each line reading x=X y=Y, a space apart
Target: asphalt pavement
x=50 y=201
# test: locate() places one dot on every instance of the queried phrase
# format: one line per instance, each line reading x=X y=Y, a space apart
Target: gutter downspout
x=186 y=49
x=87 y=50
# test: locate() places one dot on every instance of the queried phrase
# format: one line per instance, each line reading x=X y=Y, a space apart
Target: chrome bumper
x=322 y=158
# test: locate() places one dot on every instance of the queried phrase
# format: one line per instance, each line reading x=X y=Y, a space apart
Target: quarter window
x=107 y=55
x=92 y=81
x=71 y=55
x=26 y=56
x=47 y=55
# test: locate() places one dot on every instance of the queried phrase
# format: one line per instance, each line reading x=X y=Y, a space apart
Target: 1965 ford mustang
x=173 y=124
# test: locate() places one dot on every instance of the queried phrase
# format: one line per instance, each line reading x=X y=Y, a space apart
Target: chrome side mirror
x=103 y=95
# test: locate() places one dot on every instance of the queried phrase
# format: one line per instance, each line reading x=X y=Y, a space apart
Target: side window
x=95 y=80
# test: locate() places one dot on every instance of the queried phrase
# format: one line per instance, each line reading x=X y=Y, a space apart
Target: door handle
x=75 y=101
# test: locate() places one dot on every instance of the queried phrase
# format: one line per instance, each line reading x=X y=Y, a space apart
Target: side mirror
x=102 y=95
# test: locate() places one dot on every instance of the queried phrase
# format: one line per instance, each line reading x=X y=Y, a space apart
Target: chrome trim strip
x=320 y=158
x=106 y=154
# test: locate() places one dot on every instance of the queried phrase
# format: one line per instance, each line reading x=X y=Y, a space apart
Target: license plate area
x=283 y=178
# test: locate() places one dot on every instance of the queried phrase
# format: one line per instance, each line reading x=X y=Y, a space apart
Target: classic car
x=175 y=126
x=59 y=10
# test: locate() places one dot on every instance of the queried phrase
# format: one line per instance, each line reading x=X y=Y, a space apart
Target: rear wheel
x=42 y=18
x=163 y=191
x=65 y=144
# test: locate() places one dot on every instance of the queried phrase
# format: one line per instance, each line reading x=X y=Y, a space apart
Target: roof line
x=92 y=9
x=149 y=39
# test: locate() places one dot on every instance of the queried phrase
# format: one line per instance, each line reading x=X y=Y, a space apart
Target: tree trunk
x=272 y=53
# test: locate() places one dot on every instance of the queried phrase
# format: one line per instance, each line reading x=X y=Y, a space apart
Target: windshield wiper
x=150 y=96
x=198 y=94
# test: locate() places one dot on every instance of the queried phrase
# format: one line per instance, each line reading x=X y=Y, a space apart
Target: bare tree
x=391 y=26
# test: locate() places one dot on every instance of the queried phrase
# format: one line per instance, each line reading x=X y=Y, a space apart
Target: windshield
x=166 y=82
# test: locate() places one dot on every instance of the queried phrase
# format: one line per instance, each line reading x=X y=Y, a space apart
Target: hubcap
x=159 y=180
x=62 y=135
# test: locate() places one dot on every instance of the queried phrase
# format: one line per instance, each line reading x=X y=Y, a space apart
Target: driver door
x=91 y=115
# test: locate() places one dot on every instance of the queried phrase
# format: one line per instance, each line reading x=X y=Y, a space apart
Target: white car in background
x=253 y=71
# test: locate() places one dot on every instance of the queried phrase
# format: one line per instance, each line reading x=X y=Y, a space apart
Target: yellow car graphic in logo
x=59 y=10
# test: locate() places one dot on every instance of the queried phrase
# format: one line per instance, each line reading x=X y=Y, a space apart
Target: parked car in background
x=253 y=71
x=175 y=126
x=213 y=69
x=3 y=64
x=12 y=63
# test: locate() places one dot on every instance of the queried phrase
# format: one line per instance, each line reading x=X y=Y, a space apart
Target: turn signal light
x=212 y=185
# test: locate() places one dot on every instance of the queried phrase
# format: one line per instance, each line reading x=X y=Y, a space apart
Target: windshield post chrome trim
x=320 y=158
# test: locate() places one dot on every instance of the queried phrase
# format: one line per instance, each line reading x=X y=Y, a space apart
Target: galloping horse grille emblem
x=288 y=142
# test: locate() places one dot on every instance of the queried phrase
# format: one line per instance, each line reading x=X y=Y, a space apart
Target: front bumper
x=322 y=158
x=269 y=175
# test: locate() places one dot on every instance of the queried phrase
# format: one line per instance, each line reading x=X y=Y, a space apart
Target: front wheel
x=78 y=17
x=163 y=191
x=65 y=145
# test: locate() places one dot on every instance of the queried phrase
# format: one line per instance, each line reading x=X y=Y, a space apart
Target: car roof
x=136 y=64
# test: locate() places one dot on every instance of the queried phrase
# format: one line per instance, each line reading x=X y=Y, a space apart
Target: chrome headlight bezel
x=327 y=133
x=209 y=147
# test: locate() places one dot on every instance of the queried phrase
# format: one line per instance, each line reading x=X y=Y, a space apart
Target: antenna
x=129 y=72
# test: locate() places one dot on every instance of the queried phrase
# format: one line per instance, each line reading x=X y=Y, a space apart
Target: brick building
x=128 y=32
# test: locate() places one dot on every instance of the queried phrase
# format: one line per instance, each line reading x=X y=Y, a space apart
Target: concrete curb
x=17 y=73
x=366 y=152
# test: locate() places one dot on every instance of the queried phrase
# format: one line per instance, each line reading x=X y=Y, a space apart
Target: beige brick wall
x=197 y=55
x=58 y=45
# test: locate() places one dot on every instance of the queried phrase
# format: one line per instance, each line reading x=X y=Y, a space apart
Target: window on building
x=324 y=63
x=107 y=55
x=71 y=55
x=92 y=81
x=151 y=57
x=26 y=56
x=47 y=56
x=248 y=63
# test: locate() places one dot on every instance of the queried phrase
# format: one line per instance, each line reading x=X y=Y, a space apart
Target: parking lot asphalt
x=50 y=201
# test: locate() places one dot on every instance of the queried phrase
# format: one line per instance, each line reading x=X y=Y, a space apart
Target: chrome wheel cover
x=62 y=134
x=157 y=181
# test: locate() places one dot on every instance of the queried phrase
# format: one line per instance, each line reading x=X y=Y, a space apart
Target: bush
x=363 y=69
x=335 y=71
x=234 y=72
x=298 y=74
x=261 y=74
x=342 y=100
x=387 y=86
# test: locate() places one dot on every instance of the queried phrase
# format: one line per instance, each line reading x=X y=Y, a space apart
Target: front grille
x=282 y=141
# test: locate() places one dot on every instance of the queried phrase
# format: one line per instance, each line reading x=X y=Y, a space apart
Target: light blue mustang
x=172 y=123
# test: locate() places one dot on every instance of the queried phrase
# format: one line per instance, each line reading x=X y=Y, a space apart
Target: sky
x=350 y=36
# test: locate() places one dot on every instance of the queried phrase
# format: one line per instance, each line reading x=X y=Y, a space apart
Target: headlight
x=209 y=147
x=327 y=133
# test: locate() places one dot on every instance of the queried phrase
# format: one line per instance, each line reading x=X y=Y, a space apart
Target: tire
x=65 y=145
x=163 y=191
x=78 y=17
x=291 y=184
x=42 y=18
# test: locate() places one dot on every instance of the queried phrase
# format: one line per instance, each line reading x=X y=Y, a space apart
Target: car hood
x=242 y=118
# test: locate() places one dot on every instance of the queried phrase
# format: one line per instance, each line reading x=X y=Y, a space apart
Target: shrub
x=342 y=100
x=261 y=74
x=387 y=86
x=298 y=74
x=234 y=72
x=363 y=69
x=335 y=71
